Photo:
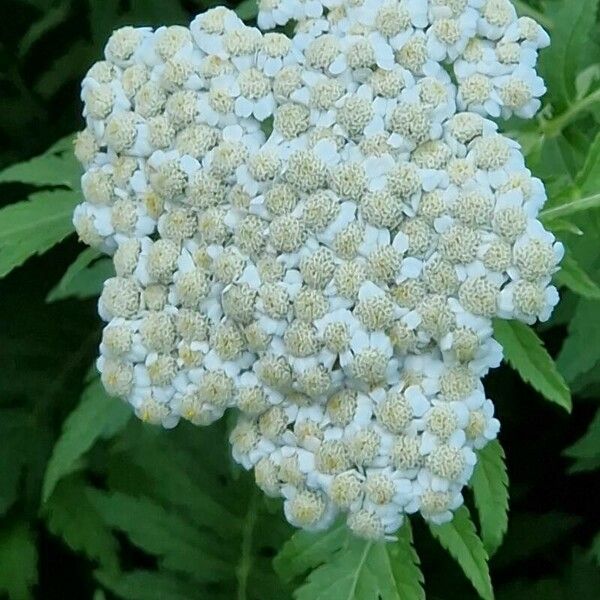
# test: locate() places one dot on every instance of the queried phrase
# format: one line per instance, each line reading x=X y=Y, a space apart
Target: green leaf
x=572 y=276
x=68 y=67
x=173 y=496
x=33 y=226
x=588 y=179
x=581 y=350
x=573 y=23
x=164 y=534
x=161 y=465
x=57 y=166
x=555 y=160
x=306 y=550
x=525 y=352
x=490 y=490
x=571 y=208
x=587 y=80
x=247 y=10
x=586 y=450
x=149 y=585
x=84 y=277
x=260 y=531
x=50 y=19
x=71 y=515
x=363 y=570
x=96 y=416
x=405 y=564
x=563 y=226
x=460 y=538
x=18 y=561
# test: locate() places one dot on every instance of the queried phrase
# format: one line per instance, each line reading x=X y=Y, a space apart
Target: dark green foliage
x=490 y=490
x=93 y=504
x=525 y=352
x=338 y=566
x=460 y=539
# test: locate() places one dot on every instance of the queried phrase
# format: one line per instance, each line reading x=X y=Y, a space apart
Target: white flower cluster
x=318 y=231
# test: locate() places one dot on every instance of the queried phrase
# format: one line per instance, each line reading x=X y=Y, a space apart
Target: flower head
x=318 y=230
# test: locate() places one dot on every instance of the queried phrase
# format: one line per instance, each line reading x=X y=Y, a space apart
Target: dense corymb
x=318 y=229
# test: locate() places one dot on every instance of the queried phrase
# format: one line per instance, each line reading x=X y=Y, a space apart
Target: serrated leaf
x=186 y=475
x=84 y=277
x=96 y=416
x=33 y=226
x=162 y=473
x=363 y=570
x=149 y=585
x=490 y=490
x=406 y=565
x=581 y=350
x=57 y=166
x=71 y=515
x=571 y=42
x=460 y=539
x=586 y=450
x=525 y=352
x=164 y=534
x=572 y=276
x=18 y=561
x=306 y=550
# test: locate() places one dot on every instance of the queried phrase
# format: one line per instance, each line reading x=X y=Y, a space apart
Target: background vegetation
x=94 y=504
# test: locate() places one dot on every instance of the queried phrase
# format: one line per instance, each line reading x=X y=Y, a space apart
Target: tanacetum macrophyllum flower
x=317 y=231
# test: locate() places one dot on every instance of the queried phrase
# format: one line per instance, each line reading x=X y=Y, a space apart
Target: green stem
x=555 y=126
x=245 y=565
x=528 y=11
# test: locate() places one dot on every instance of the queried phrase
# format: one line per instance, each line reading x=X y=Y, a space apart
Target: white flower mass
x=317 y=231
